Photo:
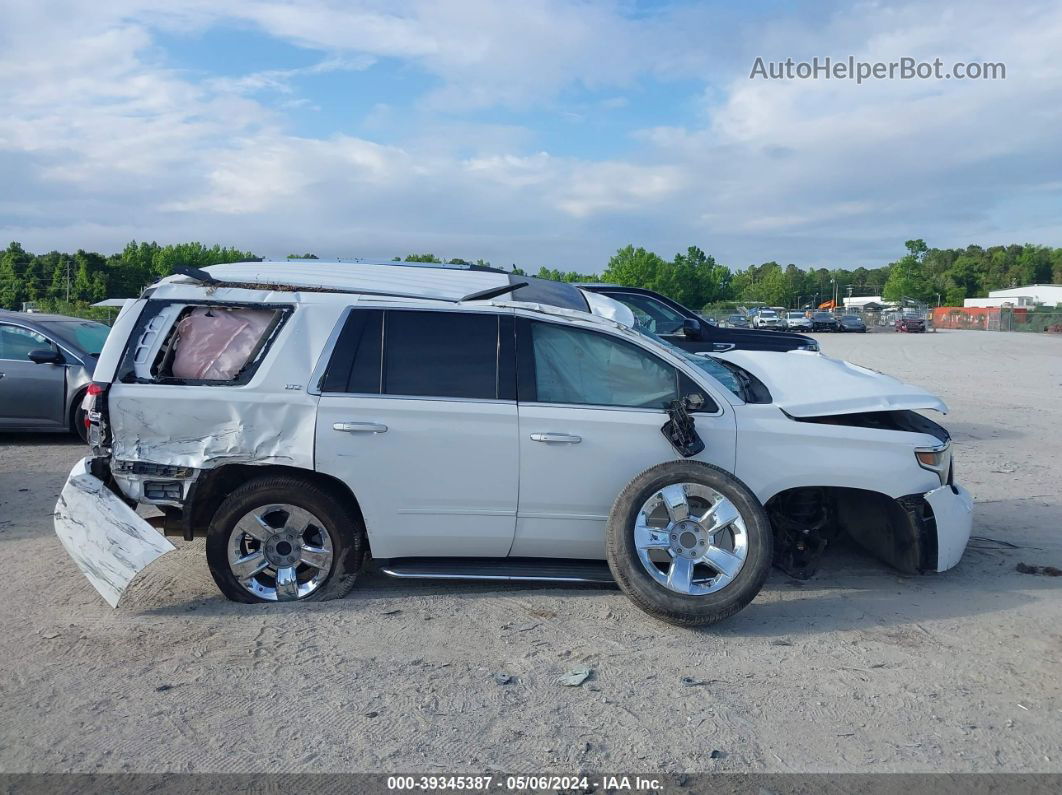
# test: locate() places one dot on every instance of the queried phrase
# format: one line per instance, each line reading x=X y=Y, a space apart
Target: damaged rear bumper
x=103 y=535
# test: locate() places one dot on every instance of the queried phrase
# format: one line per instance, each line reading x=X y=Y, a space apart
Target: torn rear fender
x=103 y=535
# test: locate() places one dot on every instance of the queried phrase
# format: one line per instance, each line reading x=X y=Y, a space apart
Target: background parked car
x=852 y=323
x=910 y=323
x=46 y=364
x=766 y=319
x=683 y=328
x=823 y=321
x=796 y=320
x=737 y=321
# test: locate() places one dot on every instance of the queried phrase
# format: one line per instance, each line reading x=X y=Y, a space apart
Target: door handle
x=359 y=427
x=558 y=438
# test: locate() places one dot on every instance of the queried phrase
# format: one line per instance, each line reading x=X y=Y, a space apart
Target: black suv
x=684 y=328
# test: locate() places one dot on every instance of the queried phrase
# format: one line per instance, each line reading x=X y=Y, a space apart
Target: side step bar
x=499 y=569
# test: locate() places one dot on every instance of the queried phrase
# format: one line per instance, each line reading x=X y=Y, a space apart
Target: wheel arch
x=213 y=485
x=897 y=530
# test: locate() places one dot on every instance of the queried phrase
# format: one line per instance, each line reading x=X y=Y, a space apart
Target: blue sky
x=540 y=132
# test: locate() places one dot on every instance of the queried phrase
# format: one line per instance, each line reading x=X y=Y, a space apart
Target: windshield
x=768 y=313
x=796 y=315
x=715 y=368
x=84 y=335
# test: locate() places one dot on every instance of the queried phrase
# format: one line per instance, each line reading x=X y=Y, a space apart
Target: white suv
x=304 y=417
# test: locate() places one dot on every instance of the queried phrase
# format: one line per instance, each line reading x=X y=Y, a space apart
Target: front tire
x=77 y=418
x=283 y=538
x=688 y=543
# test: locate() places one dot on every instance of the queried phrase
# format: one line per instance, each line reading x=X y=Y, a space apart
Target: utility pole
x=68 y=281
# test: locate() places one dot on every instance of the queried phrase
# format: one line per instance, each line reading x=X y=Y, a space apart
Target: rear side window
x=417 y=354
x=200 y=344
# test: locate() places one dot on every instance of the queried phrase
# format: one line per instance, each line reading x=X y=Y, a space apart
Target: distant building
x=864 y=302
x=1029 y=296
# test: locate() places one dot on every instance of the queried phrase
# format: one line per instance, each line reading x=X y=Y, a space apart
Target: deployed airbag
x=215 y=344
x=575 y=366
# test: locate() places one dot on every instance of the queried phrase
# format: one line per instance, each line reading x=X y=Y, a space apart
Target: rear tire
x=331 y=527
x=707 y=600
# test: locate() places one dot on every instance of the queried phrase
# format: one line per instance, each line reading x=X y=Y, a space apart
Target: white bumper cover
x=953 y=510
x=103 y=535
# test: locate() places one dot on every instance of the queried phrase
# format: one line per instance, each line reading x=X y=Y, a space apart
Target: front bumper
x=103 y=535
x=953 y=516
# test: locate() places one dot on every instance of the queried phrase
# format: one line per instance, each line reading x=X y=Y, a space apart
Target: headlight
x=935 y=459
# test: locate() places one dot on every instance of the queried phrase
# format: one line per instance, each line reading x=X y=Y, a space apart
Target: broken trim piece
x=103 y=535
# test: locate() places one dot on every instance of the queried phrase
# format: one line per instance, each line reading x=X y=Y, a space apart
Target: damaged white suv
x=454 y=424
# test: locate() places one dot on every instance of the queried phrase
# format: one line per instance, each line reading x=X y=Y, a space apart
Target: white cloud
x=101 y=140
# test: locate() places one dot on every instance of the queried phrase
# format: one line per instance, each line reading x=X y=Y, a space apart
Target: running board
x=499 y=569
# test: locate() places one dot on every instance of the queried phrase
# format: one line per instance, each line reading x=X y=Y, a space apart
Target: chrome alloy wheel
x=280 y=552
x=691 y=539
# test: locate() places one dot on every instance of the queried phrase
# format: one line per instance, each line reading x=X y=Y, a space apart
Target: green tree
x=635 y=267
x=907 y=279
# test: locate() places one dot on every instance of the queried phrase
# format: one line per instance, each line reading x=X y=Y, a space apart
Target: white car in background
x=767 y=319
x=797 y=320
x=306 y=417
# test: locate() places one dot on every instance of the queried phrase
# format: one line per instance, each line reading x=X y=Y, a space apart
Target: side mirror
x=691 y=328
x=45 y=356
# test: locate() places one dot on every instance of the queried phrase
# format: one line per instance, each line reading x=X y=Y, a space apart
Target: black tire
x=652 y=597
x=77 y=418
x=342 y=523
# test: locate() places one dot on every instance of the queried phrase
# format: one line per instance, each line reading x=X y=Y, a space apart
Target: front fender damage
x=103 y=535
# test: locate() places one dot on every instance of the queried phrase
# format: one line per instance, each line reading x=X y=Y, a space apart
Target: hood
x=809 y=384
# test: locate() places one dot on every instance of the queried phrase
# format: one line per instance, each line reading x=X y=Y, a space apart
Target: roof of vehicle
x=413 y=280
x=39 y=317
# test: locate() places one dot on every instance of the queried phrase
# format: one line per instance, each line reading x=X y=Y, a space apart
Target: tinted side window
x=587 y=368
x=355 y=365
x=652 y=314
x=441 y=354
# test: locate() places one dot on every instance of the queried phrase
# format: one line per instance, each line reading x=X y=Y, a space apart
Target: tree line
x=58 y=280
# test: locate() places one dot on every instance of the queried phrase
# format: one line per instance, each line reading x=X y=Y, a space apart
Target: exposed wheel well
x=213 y=485
x=806 y=519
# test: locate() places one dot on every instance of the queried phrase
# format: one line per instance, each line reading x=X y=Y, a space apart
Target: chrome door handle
x=359 y=427
x=559 y=438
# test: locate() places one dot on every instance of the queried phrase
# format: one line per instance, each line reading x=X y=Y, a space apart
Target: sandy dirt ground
x=858 y=669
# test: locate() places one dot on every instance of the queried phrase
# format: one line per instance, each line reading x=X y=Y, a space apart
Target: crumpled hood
x=809 y=384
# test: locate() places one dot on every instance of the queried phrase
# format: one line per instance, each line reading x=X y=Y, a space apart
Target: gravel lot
x=857 y=669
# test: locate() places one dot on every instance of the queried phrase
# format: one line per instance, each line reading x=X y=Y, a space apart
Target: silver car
x=46 y=364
